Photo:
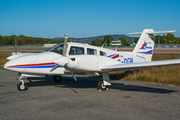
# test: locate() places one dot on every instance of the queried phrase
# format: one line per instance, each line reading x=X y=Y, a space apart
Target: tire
x=101 y=86
x=19 y=74
x=57 y=78
x=21 y=87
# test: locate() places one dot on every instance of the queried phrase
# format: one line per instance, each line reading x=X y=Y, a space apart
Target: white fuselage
x=90 y=60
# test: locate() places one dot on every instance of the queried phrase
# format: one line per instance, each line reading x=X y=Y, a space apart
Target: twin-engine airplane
x=75 y=58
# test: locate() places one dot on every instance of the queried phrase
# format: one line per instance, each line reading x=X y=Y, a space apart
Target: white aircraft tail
x=145 y=44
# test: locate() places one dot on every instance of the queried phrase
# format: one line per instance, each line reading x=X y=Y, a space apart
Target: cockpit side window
x=102 y=53
x=76 y=50
x=57 y=49
x=91 y=51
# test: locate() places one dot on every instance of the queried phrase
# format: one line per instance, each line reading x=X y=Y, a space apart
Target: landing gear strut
x=101 y=86
x=21 y=86
x=57 y=78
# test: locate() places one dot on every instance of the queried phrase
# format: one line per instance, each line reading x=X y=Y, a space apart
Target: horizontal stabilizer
x=152 y=32
x=134 y=66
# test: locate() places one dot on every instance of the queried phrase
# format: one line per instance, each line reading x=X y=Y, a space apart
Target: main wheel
x=21 y=87
x=101 y=85
x=57 y=78
x=19 y=74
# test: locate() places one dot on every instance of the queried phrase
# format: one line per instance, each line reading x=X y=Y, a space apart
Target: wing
x=133 y=66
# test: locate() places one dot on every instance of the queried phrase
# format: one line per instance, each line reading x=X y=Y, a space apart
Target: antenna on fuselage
x=65 y=45
x=103 y=44
x=15 y=46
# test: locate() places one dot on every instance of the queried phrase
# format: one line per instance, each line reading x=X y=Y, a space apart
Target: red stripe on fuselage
x=116 y=56
x=148 y=53
x=40 y=64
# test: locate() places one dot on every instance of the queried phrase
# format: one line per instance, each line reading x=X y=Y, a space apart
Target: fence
x=24 y=47
x=46 y=46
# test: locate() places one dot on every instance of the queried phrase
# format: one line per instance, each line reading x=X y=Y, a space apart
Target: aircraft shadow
x=91 y=82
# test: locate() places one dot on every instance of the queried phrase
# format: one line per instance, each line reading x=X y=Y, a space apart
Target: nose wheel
x=21 y=86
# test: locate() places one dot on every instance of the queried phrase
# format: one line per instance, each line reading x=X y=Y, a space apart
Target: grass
x=3 y=56
x=164 y=75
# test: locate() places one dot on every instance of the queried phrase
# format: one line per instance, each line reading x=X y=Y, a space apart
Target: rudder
x=145 y=44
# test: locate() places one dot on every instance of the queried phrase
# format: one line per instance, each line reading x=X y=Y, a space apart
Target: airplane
x=77 y=58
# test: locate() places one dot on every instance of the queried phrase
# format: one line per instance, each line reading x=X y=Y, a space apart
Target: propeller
x=65 y=45
x=55 y=67
x=62 y=60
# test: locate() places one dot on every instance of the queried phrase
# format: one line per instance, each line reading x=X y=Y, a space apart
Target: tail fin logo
x=144 y=46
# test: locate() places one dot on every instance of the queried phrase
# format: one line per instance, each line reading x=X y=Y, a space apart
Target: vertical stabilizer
x=145 y=44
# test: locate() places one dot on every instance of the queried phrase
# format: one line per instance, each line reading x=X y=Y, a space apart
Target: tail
x=145 y=44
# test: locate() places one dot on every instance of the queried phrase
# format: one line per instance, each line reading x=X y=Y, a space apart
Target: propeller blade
x=61 y=61
x=65 y=45
x=55 y=67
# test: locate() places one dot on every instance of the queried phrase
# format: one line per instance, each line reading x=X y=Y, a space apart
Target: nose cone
x=21 y=63
x=8 y=64
x=5 y=66
x=12 y=66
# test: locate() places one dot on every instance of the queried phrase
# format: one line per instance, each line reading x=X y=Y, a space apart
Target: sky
x=87 y=18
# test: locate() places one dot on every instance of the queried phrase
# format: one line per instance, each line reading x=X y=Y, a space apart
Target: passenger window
x=76 y=50
x=102 y=53
x=91 y=51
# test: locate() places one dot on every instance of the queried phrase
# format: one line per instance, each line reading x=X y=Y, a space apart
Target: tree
x=164 y=39
x=123 y=41
x=107 y=39
x=128 y=43
x=178 y=41
x=93 y=42
x=1 y=40
x=136 y=39
x=158 y=39
x=7 y=40
x=98 y=42
x=170 y=38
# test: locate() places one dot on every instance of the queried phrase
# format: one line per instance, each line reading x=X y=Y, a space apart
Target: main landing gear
x=101 y=86
x=57 y=78
x=21 y=86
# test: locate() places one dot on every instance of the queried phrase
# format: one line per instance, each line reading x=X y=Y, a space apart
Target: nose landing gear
x=21 y=86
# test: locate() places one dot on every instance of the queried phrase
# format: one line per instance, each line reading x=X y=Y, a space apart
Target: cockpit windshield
x=57 y=49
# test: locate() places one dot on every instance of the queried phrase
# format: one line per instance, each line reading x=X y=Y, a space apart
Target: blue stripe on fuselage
x=46 y=66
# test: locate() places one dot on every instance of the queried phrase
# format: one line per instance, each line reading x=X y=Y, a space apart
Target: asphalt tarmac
x=81 y=100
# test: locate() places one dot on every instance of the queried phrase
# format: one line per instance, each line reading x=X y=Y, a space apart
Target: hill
x=90 y=39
